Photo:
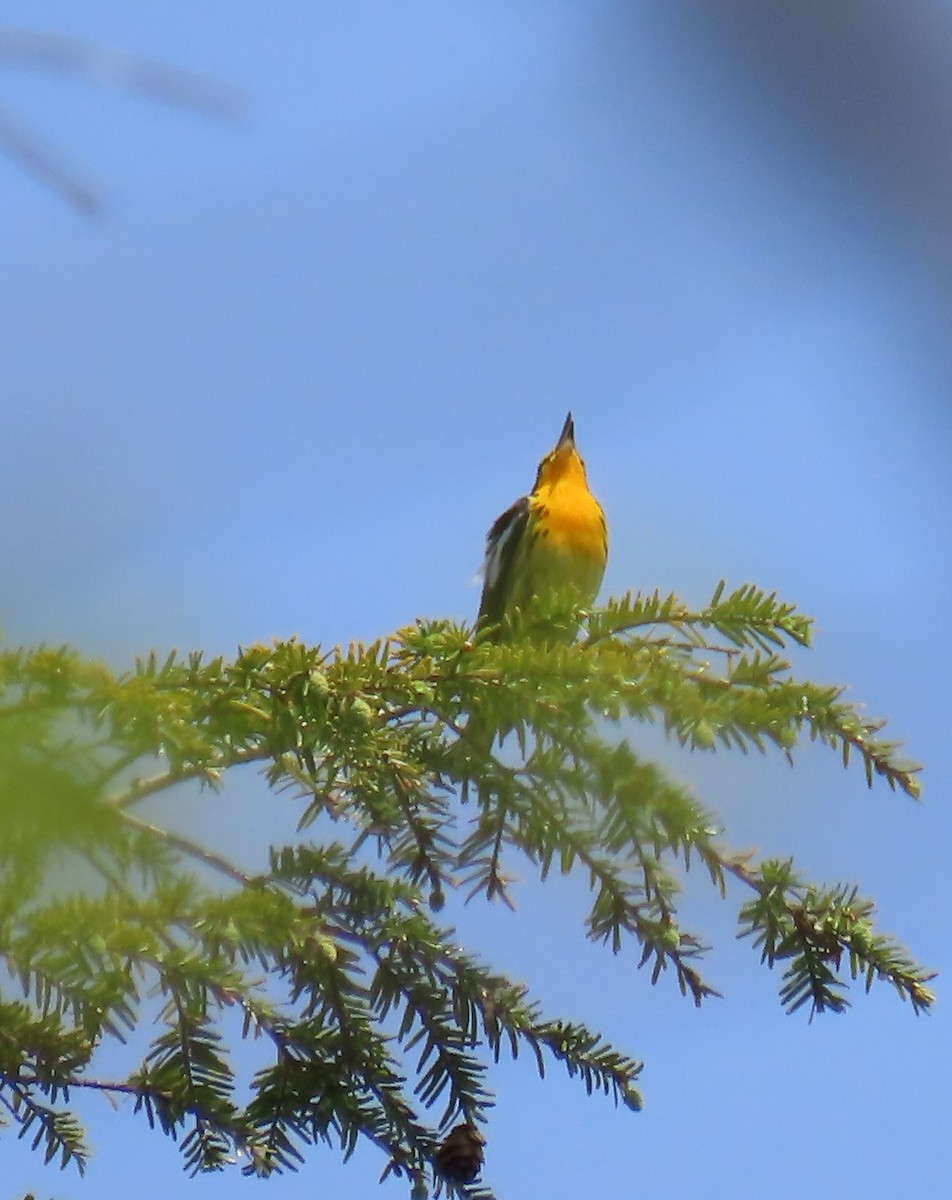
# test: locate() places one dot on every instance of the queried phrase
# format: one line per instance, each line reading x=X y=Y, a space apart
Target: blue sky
x=286 y=383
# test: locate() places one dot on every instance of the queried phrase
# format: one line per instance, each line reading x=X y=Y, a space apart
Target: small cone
x=461 y=1156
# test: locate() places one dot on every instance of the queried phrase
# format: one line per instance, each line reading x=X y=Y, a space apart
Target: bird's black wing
x=503 y=543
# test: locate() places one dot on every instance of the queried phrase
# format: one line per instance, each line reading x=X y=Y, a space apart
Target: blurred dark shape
x=139 y=76
x=460 y=1157
x=26 y=146
x=116 y=68
x=869 y=83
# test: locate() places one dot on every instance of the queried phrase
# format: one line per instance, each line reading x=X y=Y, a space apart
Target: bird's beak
x=567 y=436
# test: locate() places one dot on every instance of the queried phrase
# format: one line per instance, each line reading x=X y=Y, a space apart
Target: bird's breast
x=572 y=524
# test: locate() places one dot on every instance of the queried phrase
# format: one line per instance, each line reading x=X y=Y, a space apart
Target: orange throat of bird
x=575 y=523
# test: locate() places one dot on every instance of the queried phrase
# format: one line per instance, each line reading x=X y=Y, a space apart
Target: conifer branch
x=372 y=1013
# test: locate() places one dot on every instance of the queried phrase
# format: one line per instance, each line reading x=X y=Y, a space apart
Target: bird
x=550 y=546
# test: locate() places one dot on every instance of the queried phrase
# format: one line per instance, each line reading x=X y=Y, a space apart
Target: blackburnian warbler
x=551 y=545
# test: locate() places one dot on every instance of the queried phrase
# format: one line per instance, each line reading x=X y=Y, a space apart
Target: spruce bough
x=369 y=1018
